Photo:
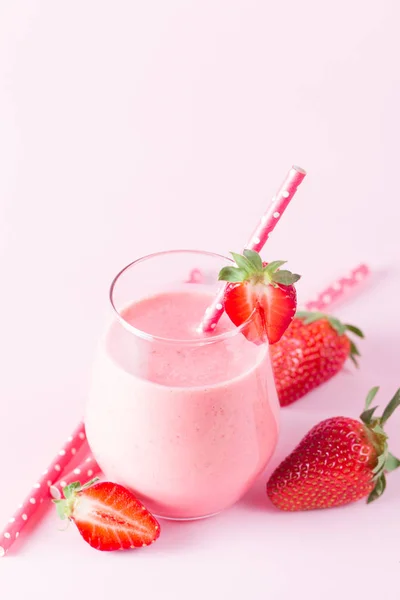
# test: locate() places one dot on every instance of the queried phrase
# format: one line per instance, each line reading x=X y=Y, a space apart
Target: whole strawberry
x=108 y=516
x=339 y=461
x=312 y=350
x=260 y=293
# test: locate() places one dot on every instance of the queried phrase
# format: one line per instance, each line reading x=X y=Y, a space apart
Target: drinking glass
x=186 y=421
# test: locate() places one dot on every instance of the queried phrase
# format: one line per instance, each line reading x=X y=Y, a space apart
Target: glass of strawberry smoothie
x=186 y=420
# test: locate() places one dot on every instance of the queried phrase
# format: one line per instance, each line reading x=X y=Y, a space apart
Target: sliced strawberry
x=108 y=516
x=260 y=293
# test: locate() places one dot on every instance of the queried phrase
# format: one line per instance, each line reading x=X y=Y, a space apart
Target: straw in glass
x=265 y=227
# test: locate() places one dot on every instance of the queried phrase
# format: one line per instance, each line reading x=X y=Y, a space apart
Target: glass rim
x=211 y=339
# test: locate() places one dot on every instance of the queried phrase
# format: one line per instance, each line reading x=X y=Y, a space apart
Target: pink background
x=131 y=127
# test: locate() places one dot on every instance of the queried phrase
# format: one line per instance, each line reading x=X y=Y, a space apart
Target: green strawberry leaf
x=391 y=407
x=353 y=353
x=254 y=258
x=371 y=395
x=273 y=266
x=378 y=489
x=354 y=360
x=337 y=325
x=378 y=429
x=386 y=461
x=243 y=262
x=354 y=330
x=250 y=268
x=310 y=317
x=366 y=416
x=70 y=489
x=61 y=507
x=391 y=463
x=90 y=483
x=285 y=277
x=380 y=464
x=232 y=274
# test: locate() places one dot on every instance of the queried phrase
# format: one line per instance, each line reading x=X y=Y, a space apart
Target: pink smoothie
x=188 y=426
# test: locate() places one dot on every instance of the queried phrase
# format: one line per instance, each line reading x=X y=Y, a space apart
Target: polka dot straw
x=340 y=289
x=84 y=472
x=40 y=490
x=259 y=236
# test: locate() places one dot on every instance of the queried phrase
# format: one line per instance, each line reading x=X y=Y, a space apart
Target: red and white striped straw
x=340 y=289
x=40 y=490
x=84 y=472
x=259 y=236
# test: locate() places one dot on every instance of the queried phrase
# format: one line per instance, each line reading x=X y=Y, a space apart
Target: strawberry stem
x=374 y=425
x=250 y=268
x=65 y=506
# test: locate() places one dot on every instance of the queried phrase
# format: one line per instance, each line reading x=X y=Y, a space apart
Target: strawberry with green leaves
x=108 y=516
x=339 y=461
x=260 y=293
x=312 y=350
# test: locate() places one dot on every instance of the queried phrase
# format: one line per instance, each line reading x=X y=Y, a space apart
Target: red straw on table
x=259 y=236
x=40 y=490
x=83 y=473
x=340 y=289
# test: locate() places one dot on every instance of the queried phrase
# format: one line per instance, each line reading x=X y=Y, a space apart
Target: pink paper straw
x=84 y=472
x=340 y=289
x=259 y=236
x=40 y=490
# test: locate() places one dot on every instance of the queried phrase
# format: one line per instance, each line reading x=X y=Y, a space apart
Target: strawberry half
x=312 y=350
x=341 y=460
x=260 y=293
x=108 y=516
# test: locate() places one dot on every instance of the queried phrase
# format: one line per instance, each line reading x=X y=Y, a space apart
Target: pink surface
x=120 y=126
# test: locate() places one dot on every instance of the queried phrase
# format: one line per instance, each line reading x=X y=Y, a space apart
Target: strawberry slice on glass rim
x=260 y=293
